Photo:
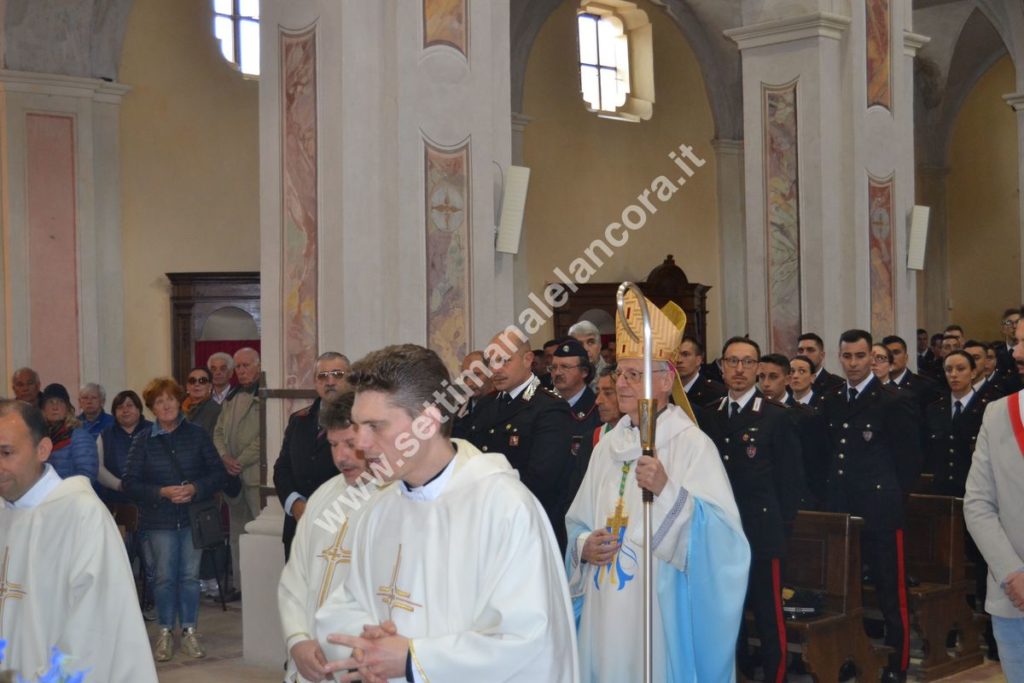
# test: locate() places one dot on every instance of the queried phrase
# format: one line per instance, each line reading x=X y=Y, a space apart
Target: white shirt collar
x=433 y=488
x=39 y=491
x=745 y=398
x=818 y=371
x=979 y=384
x=521 y=388
x=860 y=387
x=572 y=401
x=693 y=380
x=806 y=400
x=219 y=396
x=899 y=380
x=963 y=401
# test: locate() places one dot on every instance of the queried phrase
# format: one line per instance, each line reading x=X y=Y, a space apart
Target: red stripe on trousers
x=902 y=578
x=780 y=675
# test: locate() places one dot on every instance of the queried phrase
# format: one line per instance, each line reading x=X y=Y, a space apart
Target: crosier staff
x=648 y=412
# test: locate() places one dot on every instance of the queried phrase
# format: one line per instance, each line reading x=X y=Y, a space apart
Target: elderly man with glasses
x=305 y=461
x=571 y=372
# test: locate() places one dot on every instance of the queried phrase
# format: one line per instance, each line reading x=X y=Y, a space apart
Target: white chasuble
x=696 y=530
x=471 y=575
x=65 y=582
x=319 y=559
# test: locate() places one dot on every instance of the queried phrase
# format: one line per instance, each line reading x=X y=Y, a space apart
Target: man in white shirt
x=65 y=581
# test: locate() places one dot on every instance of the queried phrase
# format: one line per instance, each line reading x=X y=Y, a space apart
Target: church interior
x=785 y=165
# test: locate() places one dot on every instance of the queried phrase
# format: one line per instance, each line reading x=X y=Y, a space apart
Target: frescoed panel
x=880 y=240
x=52 y=247
x=782 y=215
x=879 y=56
x=448 y=251
x=445 y=22
x=299 y=195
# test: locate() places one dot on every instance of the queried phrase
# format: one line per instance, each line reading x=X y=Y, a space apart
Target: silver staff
x=648 y=417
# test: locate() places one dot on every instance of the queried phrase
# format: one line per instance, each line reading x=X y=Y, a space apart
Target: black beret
x=568 y=348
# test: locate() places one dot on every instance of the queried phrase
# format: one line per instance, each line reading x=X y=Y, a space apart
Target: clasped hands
x=179 y=494
x=232 y=465
x=378 y=654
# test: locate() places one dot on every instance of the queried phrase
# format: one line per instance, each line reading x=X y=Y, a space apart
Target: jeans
x=176 y=564
x=1010 y=638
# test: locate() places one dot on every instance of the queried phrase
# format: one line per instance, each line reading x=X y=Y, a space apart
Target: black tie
x=958 y=408
x=853 y=394
x=734 y=409
x=505 y=398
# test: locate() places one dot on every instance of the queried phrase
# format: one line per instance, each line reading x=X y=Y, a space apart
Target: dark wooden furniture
x=823 y=555
x=935 y=556
x=666 y=282
x=195 y=297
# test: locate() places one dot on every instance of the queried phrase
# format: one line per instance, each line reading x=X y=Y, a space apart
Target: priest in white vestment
x=455 y=574
x=701 y=557
x=65 y=581
x=320 y=557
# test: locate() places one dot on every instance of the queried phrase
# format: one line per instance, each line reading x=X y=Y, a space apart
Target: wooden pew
x=823 y=555
x=934 y=547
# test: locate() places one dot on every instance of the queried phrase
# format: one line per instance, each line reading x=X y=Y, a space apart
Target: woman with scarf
x=74 y=449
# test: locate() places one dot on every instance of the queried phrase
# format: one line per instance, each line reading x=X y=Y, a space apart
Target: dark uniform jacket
x=585 y=420
x=534 y=433
x=810 y=425
x=926 y=389
x=705 y=391
x=874 y=453
x=826 y=381
x=304 y=463
x=950 y=443
x=760 y=449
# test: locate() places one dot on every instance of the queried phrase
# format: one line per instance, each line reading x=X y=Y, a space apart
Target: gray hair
x=584 y=327
x=93 y=388
x=220 y=355
x=249 y=349
x=331 y=355
x=608 y=370
x=32 y=373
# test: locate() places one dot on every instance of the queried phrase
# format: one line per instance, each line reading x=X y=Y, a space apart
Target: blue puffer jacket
x=149 y=468
x=77 y=457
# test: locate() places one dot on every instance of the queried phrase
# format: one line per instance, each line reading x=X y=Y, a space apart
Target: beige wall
x=586 y=170
x=984 y=242
x=189 y=169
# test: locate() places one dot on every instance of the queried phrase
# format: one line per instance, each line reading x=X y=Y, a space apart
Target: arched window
x=236 y=24
x=615 y=59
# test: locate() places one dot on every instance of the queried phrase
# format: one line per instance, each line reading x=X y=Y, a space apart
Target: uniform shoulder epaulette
x=551 y=393
x=774 y=402
x=303 y=412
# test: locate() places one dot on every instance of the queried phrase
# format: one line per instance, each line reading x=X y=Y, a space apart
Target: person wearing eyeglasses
x=199 y=406
x=305 y=461
x=760 y=447
x=1004 y=350
x=571 y=373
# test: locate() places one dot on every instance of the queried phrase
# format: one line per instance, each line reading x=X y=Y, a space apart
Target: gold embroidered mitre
x=667 y=327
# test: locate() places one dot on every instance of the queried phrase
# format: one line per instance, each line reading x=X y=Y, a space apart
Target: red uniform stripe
x=1013 y=403
x=904 y=613
x=780 y=622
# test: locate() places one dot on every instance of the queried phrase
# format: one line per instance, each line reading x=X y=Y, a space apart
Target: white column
x=733 y=236
x=93 y=107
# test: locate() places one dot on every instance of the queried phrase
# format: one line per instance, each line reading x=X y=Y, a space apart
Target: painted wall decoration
x=448 y=250
x=299 y=202
x=782 y=214
x=879 y=56
x=881 y=245
x=52 y=247
x=445 y=22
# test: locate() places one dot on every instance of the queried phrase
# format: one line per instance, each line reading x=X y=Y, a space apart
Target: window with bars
x=236 y=24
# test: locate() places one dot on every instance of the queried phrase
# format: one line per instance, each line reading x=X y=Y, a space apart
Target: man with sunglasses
x=305 y=460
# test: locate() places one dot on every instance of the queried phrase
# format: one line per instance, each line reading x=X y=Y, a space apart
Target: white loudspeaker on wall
x=513 y=204
x=918 y=237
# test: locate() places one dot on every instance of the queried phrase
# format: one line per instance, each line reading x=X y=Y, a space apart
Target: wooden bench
x=823 y=555
x=935 y=556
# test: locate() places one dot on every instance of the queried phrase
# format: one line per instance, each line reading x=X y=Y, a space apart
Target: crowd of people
x=413 y=551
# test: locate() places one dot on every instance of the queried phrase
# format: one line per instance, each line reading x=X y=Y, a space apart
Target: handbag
x=203 y=517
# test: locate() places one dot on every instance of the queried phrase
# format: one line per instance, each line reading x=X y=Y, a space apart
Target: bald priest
x=65 y=581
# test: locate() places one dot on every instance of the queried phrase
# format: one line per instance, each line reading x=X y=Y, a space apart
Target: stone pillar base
x=262 y=559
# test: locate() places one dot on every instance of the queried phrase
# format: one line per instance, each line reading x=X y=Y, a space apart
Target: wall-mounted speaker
x=513 y=205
